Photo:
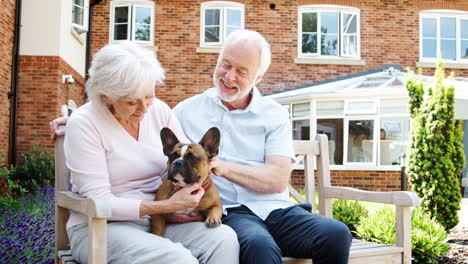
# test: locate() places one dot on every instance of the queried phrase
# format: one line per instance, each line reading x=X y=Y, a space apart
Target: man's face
x=236 y=73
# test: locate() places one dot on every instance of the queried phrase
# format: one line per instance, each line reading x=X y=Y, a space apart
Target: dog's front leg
x=213 y=215
x=158 y=221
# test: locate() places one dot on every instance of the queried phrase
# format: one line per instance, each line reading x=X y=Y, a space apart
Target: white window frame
x=132 y=6
x=80 y=28
x=223 y=6
x=329 y=8
x=437 y=14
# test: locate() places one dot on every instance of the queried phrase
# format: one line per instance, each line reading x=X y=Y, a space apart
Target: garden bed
x=458 y=241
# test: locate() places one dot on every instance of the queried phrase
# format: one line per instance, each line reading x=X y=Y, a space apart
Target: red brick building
x=187 y=34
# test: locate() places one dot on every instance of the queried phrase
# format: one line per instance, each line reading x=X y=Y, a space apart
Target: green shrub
x=428 y=236
x=434 y=154
x=349 y=212
x=37 y=169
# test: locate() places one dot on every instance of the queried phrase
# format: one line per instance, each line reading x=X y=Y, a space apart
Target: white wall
x=72 y=50
x=40 y=27
x=46 y=31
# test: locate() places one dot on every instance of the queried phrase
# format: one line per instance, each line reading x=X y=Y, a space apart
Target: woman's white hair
x=255 y=37
x=123 y=70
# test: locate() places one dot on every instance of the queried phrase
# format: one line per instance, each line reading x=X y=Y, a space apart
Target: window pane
x=448 y=49
x=333 y=128
x=309 y=22
x=329 y=44
x=429 y=48
x=330 y=108
x=143 y=15
x=301 y=110
x=309 y=43
x=229 y=30
x=464 y=49
x=447 y=27
x=79 y=2
x=301 y=130
x=142 y=32
x=429 y=27
x=393 y=140
x=349 y=23
x=361 y=107
x=360 y=140
x=212 y=17
x=78 y=15
x=464 y=28
x=393 y=106
x=121 y=14
x=212 y=34
x=329 y=22
x=350 y=45
x=120 y=32
x=233 y=17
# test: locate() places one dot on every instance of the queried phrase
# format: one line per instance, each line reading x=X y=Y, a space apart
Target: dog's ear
x=169 y=140
x=210 y=142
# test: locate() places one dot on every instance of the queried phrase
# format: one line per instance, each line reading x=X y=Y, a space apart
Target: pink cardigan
x=107 y=162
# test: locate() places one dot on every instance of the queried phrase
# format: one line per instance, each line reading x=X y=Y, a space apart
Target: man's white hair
x=123 y=70
x=255 y=37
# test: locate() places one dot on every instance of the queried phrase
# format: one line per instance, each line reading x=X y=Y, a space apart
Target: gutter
x=13 y=94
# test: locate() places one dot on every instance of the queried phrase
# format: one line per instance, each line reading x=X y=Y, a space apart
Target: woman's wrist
x=155 y=207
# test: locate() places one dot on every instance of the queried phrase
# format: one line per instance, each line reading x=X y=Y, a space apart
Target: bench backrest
x=314 y=154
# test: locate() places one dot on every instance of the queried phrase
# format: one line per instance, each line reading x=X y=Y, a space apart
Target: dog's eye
x=173 y=156
x=192 y=158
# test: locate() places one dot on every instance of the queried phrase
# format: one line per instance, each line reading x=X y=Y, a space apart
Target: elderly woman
x=114 y=151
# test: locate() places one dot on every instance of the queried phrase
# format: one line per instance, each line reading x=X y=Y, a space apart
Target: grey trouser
x=132 y=242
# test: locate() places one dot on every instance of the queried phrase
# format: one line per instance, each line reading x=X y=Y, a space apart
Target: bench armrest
x=400 y=198
x=96 y=208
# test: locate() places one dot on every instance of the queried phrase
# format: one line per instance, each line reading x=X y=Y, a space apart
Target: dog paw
x=213 y=222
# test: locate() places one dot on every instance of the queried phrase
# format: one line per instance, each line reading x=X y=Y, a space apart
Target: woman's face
x=131 y=109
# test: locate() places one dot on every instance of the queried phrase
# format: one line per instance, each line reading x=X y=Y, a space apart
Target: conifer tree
x=433 y=161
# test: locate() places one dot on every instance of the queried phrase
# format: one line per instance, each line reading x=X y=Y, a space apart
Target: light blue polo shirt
x=247 y=137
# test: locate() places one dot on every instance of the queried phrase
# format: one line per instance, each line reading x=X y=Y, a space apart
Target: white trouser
x=132 y=242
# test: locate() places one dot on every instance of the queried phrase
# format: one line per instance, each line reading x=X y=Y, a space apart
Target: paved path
x=463 y=215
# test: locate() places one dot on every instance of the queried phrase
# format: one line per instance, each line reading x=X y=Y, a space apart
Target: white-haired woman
x=114 y=151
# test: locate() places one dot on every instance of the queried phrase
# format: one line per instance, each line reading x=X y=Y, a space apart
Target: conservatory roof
x=386 y=83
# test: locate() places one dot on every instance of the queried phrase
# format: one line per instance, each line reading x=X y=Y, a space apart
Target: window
x=363 y=133
x=132 y=20
x=445 y=32
x=326 y=30
x=80 y=15
x=218 y=20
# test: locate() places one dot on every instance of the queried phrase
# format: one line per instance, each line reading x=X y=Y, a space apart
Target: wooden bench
x=361 y=252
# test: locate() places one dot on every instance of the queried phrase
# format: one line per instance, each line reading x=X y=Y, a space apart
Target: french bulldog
x=186 y=165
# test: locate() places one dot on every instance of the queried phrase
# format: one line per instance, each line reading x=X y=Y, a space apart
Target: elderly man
x=254 y=162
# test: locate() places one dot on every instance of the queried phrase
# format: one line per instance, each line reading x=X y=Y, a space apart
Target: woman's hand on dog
x=187 y=197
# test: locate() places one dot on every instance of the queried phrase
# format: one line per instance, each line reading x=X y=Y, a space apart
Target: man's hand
x=218 y=166
x=54 y=127
x=185 y=218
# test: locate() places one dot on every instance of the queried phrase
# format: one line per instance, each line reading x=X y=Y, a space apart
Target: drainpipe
x=13 y=94
x=88 y=38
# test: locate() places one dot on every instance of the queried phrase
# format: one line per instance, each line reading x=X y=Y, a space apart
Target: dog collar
x=204 y=186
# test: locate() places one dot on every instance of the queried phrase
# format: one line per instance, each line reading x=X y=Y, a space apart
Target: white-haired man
x=254 y=162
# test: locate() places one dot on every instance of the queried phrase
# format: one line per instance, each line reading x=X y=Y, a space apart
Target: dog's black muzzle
x=183 y=168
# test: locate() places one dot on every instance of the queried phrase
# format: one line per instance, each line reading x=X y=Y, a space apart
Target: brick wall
x=389 y=35
x=41 y=92
x=7 y=21
x=364 y=180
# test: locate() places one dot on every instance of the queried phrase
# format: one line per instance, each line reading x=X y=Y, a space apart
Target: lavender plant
x=27 y=234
